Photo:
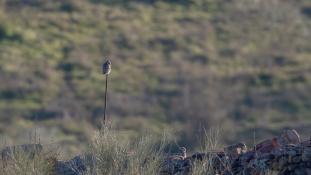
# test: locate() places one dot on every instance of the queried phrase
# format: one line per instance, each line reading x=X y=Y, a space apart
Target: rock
x=306 y=143
x=235 y=150
x=291 y=167
x=282 y=161
x=290 y=136
x=275 y=165
x=306 y=155
x=267 y=145
x=296 y=159
x=306 y=11
x=79 y=165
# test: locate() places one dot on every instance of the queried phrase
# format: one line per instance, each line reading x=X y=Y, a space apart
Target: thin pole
x=105 y=99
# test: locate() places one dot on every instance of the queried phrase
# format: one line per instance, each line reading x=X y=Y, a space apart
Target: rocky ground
x=285 y=155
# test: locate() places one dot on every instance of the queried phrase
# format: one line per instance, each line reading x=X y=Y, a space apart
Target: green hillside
x=239 y=65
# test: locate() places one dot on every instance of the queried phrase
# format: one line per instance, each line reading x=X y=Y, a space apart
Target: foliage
x=188 y=63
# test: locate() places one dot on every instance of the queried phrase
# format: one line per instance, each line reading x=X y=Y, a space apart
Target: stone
x=296 y=159
x=306 y=155
x=290 y=136
x=235 y=149
x=306 y=143
x=282 y=161
x=275 y=165
x=266 y=156
x=267 y=145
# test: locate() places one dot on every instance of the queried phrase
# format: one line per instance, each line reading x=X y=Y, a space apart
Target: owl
x=107 y=67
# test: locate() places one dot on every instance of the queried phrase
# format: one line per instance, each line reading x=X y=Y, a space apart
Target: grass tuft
x=143 y=155
x=20 y=163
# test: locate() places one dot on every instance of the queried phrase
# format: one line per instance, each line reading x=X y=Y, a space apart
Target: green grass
x=179 y=65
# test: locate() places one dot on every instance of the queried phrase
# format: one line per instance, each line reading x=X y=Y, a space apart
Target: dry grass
x=22 y=164
x=209 y=143
x=114 y=156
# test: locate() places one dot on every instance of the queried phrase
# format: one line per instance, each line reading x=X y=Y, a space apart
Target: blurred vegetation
x=240 y=65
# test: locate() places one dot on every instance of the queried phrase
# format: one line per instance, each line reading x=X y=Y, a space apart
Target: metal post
x=105 y=108
x=106 y=71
